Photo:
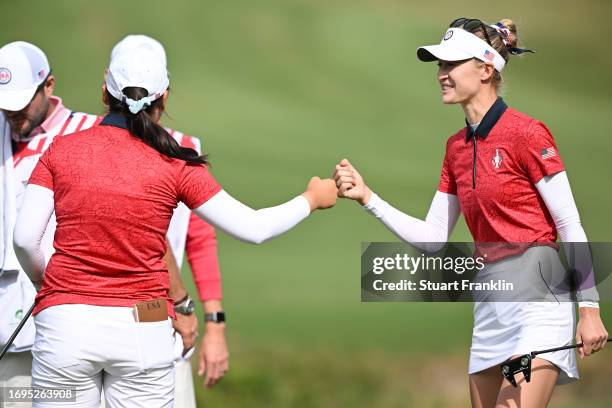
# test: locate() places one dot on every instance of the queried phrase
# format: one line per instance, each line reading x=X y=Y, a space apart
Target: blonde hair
x=501 y=43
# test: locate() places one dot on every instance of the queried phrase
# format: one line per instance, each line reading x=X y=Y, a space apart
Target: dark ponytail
x=142 y=126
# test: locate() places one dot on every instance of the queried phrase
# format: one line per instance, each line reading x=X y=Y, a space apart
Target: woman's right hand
x=350 y=183
x=321 y=194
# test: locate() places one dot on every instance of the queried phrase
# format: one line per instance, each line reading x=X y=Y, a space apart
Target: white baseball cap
x=459 y=44
x=23 y=67
x=139 y=67
x=134 y=41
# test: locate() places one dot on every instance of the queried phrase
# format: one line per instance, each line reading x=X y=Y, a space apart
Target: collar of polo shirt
x=489 y=120
x=457 y=45
x=114 y=119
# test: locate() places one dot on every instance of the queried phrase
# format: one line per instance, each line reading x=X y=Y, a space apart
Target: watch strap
x=184 y=298
x=185 y=306
x=217 y=317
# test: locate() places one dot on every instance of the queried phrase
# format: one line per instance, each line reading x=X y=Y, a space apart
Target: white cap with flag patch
x=459 y=44
x=23 y=67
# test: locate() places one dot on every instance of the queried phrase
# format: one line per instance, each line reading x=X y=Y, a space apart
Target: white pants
x=15 y=369
x=90 y=348
x=184 y=393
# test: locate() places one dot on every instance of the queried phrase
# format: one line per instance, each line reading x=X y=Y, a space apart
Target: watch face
x=187 y=308
x=190 y=306
x=217 y=317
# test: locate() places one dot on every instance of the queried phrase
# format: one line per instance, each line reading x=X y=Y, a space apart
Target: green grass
x=280 y=91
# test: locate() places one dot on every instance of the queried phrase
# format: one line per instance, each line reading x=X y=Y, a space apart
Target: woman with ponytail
x=102 y=314
x=503 y=172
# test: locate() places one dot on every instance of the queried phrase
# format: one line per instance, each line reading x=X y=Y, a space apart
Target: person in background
x=31 y=117
x=190 y=235
x=28 y=127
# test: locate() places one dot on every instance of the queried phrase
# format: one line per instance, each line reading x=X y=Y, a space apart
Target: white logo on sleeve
x=497 y=159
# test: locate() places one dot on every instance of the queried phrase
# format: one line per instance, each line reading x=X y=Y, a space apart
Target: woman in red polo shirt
x=102 y=312
x=503 y=172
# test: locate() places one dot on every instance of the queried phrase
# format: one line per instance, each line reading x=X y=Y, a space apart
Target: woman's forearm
x=30 y=227
x=556 y=192
x=430 y=234
x=249 y=225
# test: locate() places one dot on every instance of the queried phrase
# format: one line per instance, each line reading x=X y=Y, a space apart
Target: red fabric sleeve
x=538 y=153
x=43 y=172
x=201 y=248
x=447 y=181
x=196 y=185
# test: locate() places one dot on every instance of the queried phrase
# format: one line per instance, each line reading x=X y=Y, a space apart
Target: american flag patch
x=489 y=55
x=548 y=152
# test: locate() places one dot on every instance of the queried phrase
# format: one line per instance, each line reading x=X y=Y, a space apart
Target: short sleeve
x=196 y=185
x=538 y=153
x=43 y=172
x=447 y=180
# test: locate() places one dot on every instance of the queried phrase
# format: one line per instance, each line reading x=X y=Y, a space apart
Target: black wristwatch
x=185 y=306
x=217 y=317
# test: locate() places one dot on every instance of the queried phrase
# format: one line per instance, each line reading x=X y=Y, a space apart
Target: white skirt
x=506 y=329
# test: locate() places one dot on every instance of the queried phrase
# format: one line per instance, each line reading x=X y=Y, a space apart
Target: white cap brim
x=16 y=100
x=457 y=45
x=439 y=52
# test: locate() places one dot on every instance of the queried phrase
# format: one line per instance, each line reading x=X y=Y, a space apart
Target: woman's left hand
x=187 y=327
x=214 y=357
x=590 y=331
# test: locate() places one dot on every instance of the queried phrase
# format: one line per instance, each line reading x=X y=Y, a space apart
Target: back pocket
x=155 y=344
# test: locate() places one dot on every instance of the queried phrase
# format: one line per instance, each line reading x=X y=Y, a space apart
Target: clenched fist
x=321 y=194
x=350 y=183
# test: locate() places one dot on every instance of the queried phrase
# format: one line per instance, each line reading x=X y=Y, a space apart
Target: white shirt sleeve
x=30 y=227
x=429 y=235
x=557 y=195
x=249 y=225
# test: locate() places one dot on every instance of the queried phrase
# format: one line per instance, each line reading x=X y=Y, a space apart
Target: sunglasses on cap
x=471 y=25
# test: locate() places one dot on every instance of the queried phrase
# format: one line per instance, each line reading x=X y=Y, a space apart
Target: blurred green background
x=282 y=90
